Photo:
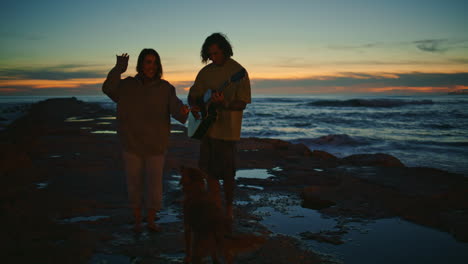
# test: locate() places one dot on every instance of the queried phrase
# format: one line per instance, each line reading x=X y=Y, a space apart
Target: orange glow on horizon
x=8 y=90
x=7 y=85
x=38 y=84
x=410 y=89
x=460 y=87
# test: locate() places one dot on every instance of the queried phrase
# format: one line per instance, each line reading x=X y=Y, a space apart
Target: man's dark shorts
x=218 y=157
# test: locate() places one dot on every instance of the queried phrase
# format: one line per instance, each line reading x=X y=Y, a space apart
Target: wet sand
x=64 y=196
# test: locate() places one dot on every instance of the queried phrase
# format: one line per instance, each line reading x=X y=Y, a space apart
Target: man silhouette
x=218 y=147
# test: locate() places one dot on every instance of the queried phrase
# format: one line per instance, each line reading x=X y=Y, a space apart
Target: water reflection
x=104 y=132
x=83 y=219
x=77 y=119
x=390 y=240
x=253 y=174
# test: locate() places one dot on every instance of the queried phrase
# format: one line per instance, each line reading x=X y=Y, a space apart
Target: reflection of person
x=218 y=147
x=144 y=106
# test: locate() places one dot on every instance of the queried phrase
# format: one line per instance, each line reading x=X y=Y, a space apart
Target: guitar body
x=197 y=128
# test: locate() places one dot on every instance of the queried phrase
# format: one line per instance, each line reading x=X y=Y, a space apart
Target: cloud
x=85 y=89
x=301 y=63
x=432 y=45
x=79 y=78
x=353 y=47
x=426 y=45
x=348 y=80
x=56 y=72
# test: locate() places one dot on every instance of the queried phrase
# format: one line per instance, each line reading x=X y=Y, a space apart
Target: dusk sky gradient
x=305 y=47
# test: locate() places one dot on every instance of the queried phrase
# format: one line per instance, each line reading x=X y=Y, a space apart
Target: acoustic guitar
x=197 y=128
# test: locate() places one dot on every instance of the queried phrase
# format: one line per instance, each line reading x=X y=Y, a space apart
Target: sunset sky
x=304 y=47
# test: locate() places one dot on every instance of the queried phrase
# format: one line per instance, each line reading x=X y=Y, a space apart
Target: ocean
x=420 y=130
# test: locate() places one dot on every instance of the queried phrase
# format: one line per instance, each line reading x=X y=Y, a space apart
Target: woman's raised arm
x=111 y=84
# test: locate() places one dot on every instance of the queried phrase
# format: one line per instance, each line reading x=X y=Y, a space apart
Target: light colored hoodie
x=143 y=112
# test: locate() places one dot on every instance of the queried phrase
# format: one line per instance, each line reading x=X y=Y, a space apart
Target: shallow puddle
x=241 y=203
x=174 y=185
x=277 y=169
x=294 y=221
x=104 y=132
x=42 y=185
x=395 y=240
x=83 y=219
x=168 y=215
x=100 y=258
x=390 y=240
x=176 y=176
x=253 y=174
x=250 y=186
x=268 y=198
x=77 y=119
x=173 y=258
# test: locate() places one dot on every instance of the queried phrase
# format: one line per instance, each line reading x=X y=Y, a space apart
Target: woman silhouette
x=145 y=104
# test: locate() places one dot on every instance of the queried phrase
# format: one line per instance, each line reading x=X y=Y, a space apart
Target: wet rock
x=330 y=237
x=424 y=196
x=311 y=199
x=12 y=157
x=379 y=159
x=281 y=249
x=323 y=156
x=301 y=149
x=280 y=144
x=338 y=139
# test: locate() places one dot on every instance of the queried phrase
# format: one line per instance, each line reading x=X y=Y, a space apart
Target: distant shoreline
x=459 y=92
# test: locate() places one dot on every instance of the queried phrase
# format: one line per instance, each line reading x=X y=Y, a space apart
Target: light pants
x=136 y=168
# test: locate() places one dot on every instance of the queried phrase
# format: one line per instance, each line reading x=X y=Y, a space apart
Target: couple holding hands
x=145 y=104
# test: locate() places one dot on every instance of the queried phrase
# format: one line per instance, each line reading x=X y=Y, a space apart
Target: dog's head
x=192 y=179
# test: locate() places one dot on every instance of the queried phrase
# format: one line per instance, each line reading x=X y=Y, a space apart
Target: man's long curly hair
x=219 y=39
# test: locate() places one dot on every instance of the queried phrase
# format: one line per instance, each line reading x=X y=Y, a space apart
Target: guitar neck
x=234 y=78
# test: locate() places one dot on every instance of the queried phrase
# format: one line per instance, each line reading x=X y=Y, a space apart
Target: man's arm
x=241 y=99
x=236 y=105
x=243 y=95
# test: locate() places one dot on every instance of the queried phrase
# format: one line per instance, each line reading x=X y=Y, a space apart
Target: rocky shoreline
x=64 y=198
